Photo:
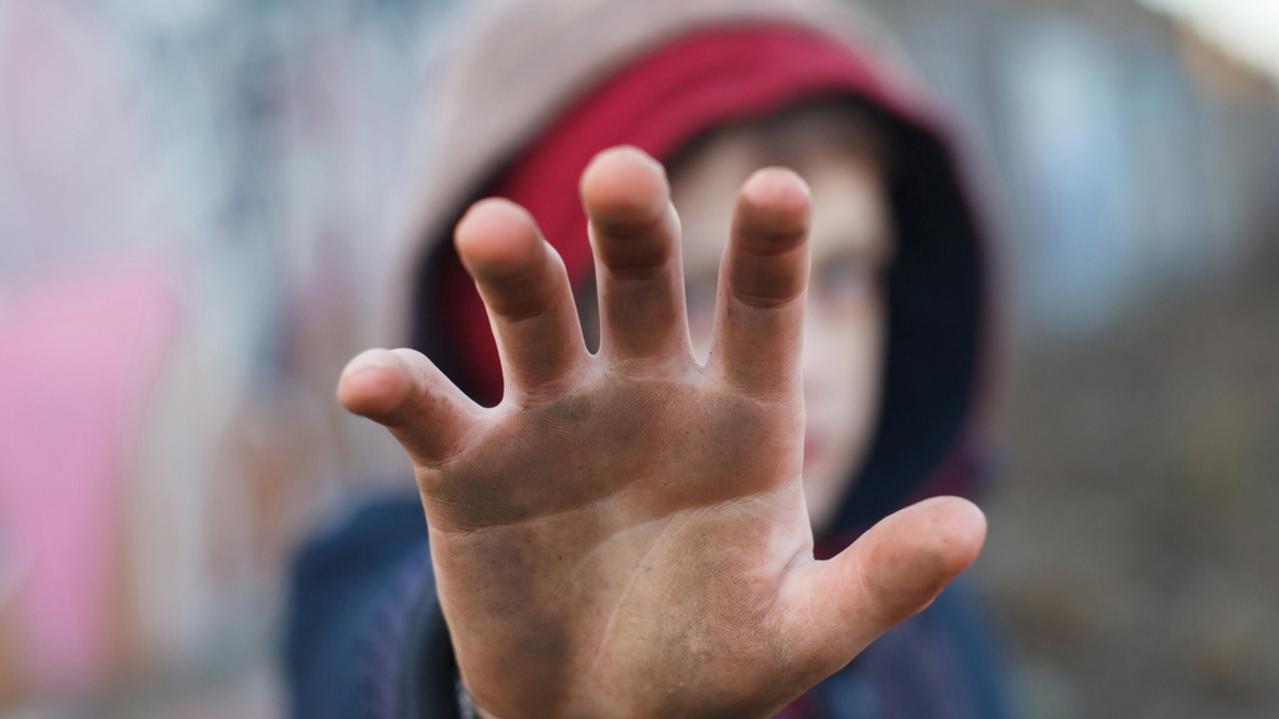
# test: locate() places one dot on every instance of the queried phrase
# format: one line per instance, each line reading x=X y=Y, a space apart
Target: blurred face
x=851 y=244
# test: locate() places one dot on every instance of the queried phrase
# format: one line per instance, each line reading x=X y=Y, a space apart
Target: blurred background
x=195 y=196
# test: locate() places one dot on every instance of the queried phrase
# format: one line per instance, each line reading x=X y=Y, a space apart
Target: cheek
x=842 y=358
x=843 y=350
x=700 y=298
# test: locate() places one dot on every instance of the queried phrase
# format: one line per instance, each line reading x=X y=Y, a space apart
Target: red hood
x=714 y=75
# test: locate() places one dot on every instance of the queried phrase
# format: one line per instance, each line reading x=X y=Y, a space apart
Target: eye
x=700 y=298
x=699 y=295
x=844 y=279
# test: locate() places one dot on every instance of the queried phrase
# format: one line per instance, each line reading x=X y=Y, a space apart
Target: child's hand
x=625 y=534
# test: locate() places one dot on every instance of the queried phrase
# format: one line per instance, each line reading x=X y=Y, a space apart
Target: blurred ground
x=1132 y=550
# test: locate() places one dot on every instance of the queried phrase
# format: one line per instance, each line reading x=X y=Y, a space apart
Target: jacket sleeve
x=364 y=634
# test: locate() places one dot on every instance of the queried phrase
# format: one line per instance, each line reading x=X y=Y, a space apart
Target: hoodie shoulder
x=365 y=636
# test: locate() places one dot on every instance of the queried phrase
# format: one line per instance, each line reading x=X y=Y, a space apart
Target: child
x=626 y=532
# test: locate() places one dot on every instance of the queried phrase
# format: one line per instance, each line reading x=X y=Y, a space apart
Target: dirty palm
x=625 y=533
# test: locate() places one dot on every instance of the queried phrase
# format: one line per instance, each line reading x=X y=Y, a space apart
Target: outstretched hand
x=625 y=534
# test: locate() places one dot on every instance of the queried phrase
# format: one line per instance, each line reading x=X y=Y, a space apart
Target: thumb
x=403 y=391
x=890 y=573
